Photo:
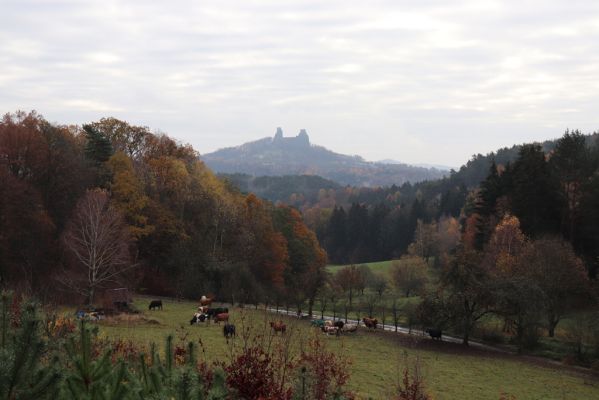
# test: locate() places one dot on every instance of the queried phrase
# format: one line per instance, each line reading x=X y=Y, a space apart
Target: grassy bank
x=451 y=372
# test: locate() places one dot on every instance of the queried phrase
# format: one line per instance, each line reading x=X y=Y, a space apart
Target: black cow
x=435 y=333
x=154 y=304
x=213 y=312
x=339 y=324
x=229 y=331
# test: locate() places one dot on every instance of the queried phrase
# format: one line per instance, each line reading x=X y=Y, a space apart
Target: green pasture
x=382 y=267
x=377 y=358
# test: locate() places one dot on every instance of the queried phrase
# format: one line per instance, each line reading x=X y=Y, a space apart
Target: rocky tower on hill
x=279 y=155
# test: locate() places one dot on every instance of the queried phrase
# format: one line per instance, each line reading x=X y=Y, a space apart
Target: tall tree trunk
x=90 y=299
x=553 y=321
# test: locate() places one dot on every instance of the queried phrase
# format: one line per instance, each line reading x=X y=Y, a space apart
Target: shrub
x=322 y=374
x=252 y=375
x=411 y=386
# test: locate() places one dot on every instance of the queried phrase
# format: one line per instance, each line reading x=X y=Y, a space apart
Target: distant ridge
x=423 y=165
x=279 y=155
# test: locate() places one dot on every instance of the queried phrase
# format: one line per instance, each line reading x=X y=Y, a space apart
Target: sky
x=416 y=81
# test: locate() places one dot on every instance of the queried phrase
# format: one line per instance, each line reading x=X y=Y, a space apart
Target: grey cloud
x=394 y=79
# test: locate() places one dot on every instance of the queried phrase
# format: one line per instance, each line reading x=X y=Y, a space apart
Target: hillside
x=280 y=156
x=282 y=188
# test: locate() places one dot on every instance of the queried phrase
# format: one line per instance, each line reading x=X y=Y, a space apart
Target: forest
x=552 y=188
x=83 y=209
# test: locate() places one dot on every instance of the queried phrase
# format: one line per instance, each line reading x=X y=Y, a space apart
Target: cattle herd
x=334 y=327
x=205 y=313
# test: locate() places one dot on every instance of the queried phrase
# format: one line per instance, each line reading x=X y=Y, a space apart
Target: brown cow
x=221 y=317
x=205 y=301
x=203 y=309
x=331 y=330
x=370 y=323
x=278 y=326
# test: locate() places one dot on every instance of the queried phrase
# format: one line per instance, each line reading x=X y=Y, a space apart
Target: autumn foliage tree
x=190 y=230
x=561 y=277
x=305 y=272
x=409 y=275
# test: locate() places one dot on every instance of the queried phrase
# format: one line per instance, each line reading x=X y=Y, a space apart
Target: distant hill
x=423 y=165
x=278 y=156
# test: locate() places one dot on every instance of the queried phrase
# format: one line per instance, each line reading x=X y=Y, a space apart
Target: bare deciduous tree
x=98 y=241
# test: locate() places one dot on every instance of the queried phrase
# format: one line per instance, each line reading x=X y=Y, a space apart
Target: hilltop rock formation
x=282 y=155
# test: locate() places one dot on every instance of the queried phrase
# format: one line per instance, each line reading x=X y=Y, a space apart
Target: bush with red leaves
x=323 y=374
x=412 y=385
x=252 y=375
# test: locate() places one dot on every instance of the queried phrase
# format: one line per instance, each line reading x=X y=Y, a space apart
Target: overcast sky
x=418 y=81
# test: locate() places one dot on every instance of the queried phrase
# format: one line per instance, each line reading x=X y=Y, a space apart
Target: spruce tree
x=98 y=147
x=90 y=379
x=22 y=375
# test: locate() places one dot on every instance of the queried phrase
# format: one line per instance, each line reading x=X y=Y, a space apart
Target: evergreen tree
x=533 y=192
x=336 y=236
x=486 y=203
x=357 y=232
x=571 y=164
x=98 y=147
x=22 y=376
x=91 y=379
x=98 y=150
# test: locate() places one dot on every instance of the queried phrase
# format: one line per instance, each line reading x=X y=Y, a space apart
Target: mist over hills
x=279 y=156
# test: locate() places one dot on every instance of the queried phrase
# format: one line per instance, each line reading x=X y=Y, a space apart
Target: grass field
x=451 y=372
x=382 y=267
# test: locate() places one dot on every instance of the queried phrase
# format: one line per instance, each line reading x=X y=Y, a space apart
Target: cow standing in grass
x=370 y=323
x=213 y=312
x=205 y=301
x=331 y=330
x=229 y=331
x=435 y=333
x=278 y=326
x=155 y=304
x=224 y=317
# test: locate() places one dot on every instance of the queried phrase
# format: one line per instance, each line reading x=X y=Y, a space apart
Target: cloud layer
x=428 y=81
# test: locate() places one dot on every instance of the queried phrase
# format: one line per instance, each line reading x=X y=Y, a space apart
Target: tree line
x=551 y=192
x=83 y=208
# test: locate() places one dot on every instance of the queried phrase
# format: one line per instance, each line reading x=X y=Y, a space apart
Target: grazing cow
x=221 y=317
x=154 y=304
x=349 y=328
x=331 y=330
x=278 y=326
x=435 y=333
x=319 y=323
x=339 y=324
x=370 y=323
x=205 y=301
x=212 y=312
x=197 y=318
x=203 y=309
x=229 y=331
x=328 y=322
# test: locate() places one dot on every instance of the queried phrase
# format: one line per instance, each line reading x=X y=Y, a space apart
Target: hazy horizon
x=417 y=83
